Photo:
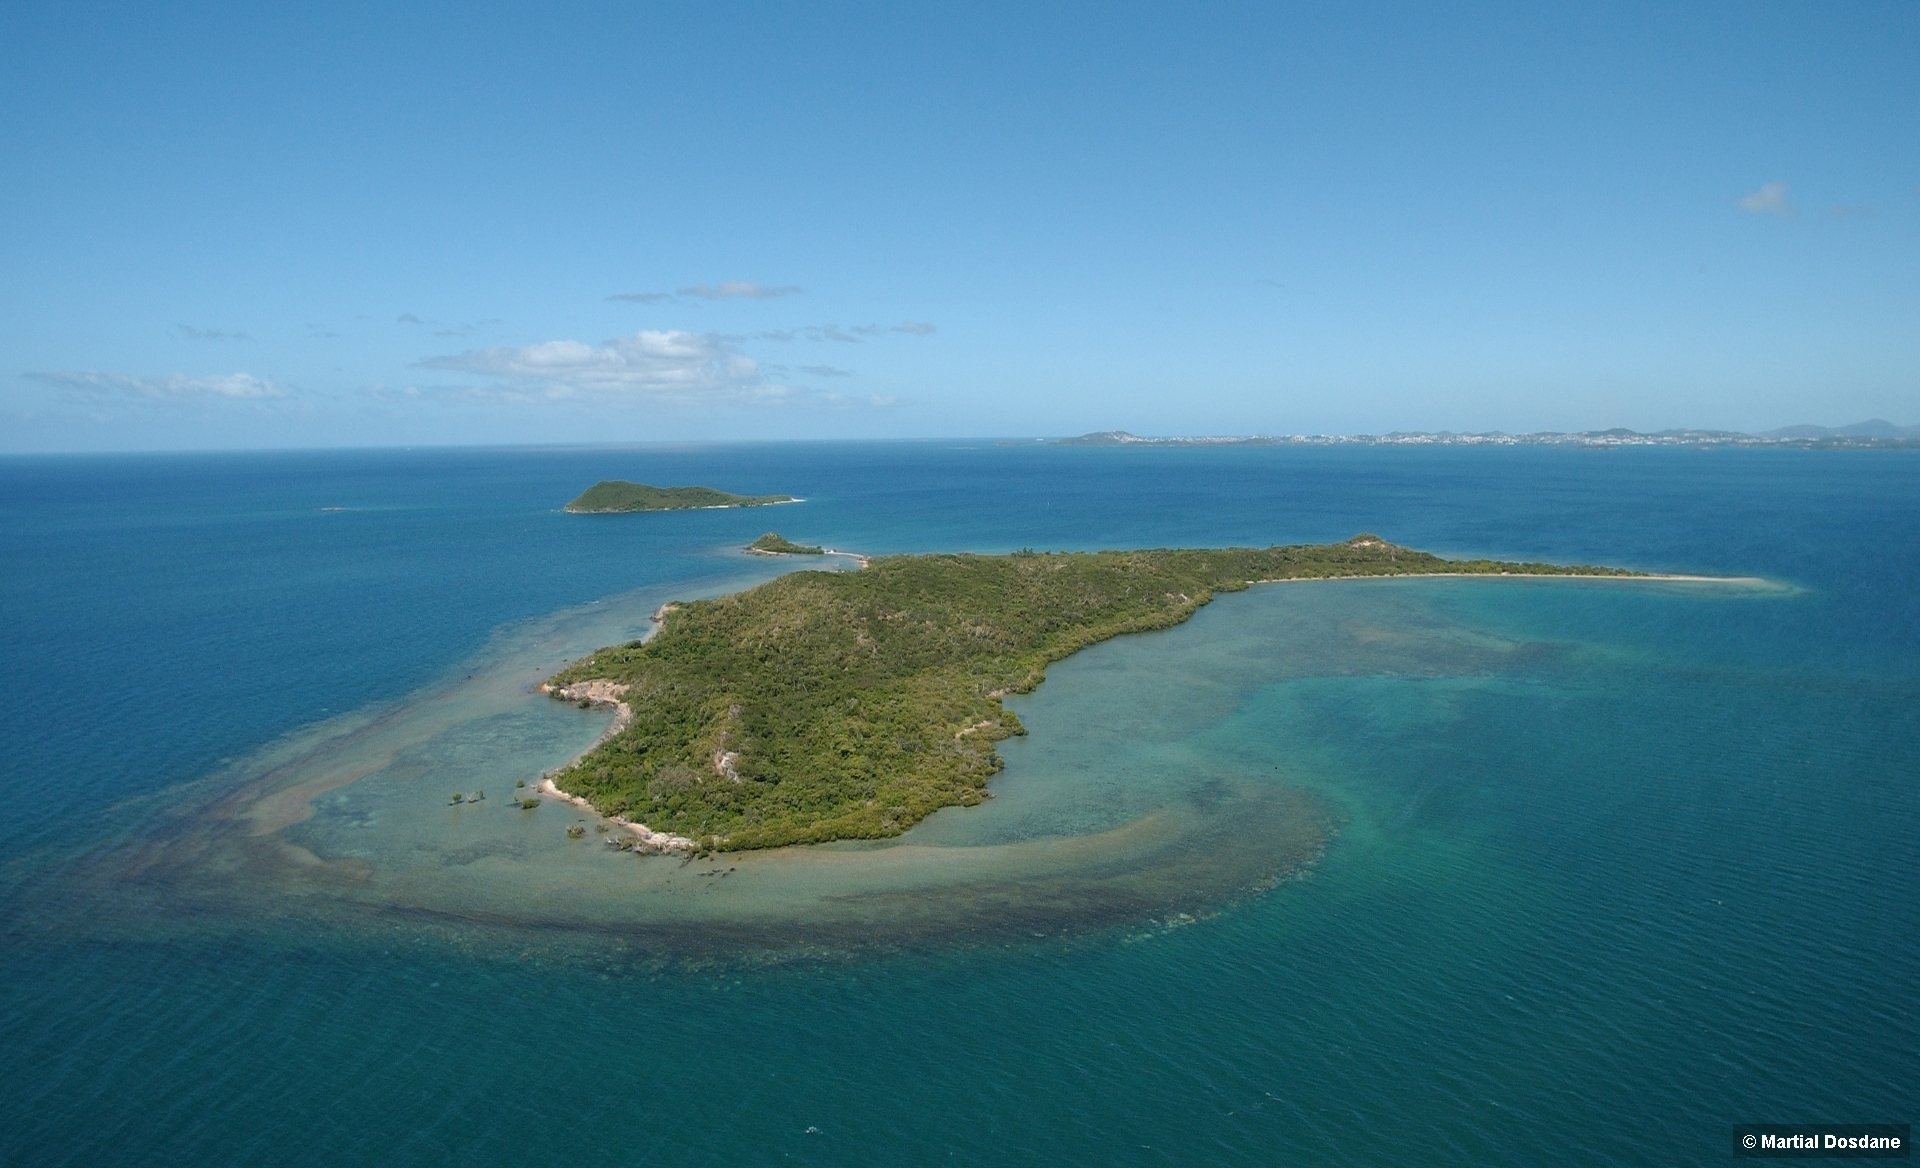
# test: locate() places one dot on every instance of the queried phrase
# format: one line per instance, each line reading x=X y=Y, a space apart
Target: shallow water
x=1607 y=866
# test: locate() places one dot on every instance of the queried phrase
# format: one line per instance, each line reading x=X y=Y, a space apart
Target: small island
x=850 y=705
x=774 y=544
x=612 y=496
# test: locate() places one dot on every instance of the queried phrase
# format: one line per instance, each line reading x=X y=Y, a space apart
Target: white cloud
x=913 y=327
x=736 y=289
x=1770 y=199
x=194 y=334
x=650 y=363
x=815 y=332
x=724 y=290
x=177 y=387
x=826 y=371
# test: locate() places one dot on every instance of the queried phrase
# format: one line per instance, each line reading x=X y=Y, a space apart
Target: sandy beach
x=601 y=692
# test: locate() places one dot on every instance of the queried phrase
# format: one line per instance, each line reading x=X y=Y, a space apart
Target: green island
x=849 y=705
x=614 y=495
x=775 y=544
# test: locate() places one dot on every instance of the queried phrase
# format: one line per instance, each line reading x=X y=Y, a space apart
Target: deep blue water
x=1651 y=875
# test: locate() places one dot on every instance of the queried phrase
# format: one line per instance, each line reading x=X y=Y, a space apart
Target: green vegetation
x=849 y=705
x=614 y=495
x=773 y=544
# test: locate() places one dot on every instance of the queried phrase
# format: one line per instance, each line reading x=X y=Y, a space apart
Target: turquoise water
x=1444 y=871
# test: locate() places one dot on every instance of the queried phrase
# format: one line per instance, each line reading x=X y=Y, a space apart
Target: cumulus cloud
x=194 y=334
x=738 y=289
x=826 y=371
x=651 y=363
x=408 y=318
x=177 y=387
x=1770 y=199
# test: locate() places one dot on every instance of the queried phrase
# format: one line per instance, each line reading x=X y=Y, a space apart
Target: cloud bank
x=738 y=289
x=724 y=290
x=177 y=387
x=194 y=334
x=654 y=364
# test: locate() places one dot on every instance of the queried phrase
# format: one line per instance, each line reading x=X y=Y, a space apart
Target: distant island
x=850 y=705
x=614 y=495
x=774 y=544
x=1871 y=435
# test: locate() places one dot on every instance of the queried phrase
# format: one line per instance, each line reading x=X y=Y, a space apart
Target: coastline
x=604 y=690
x=1647 y=576
x=856 y=557
x=646 y=510
x=597 y=693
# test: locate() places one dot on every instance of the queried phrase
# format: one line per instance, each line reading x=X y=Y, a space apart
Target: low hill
x=775 y=544
x=614 y=495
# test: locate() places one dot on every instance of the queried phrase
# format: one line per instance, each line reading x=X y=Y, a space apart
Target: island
x=611 y=496
x=850 y=705
x=774 y=544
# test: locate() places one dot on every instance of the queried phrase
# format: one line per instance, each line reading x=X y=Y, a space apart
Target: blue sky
x=341 y=224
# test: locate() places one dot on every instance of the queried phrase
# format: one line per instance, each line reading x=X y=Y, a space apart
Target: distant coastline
x=1872 y=435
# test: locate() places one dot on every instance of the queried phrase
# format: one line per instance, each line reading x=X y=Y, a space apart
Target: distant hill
x=1105 y=438
x=1872 y=428
x=1866 y=435
x=614 y=495
x=1122 y=438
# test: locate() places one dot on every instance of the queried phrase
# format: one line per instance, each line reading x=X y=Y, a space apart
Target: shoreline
x=606 y=692
x=862 y=560
x=655 y=510
x=597 y=693
x=1647 y=576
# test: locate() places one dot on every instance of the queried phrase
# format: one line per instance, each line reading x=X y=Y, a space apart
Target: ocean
x=1447 y=871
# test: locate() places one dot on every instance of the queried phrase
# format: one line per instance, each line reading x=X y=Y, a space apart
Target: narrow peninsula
x=774 y=544
x=850 y=705
x=612 y=496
